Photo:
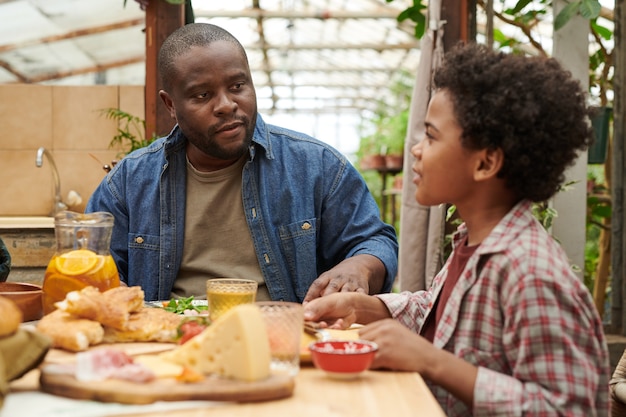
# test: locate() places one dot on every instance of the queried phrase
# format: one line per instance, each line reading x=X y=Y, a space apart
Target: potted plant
x=369 y=155
x=130 y=133
x=387 y=128
x=394 y=132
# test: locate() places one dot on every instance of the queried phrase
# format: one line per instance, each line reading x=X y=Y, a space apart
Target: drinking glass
x=284 y=321
x=225 y=293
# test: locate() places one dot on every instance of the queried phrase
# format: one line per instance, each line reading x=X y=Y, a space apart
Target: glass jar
x=82 y=257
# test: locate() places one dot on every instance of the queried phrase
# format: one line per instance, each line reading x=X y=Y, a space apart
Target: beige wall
x=67 y=120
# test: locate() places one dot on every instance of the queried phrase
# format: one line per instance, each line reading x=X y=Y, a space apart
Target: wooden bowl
x=26 y=296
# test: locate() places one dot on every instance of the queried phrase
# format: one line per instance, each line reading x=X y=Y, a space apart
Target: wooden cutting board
x=211 y=388
x=130 y=348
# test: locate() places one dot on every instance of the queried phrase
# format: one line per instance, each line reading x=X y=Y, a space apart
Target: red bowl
x=343 y=358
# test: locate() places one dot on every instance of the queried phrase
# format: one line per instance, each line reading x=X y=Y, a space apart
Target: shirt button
x=306 y=226
x=139 y=240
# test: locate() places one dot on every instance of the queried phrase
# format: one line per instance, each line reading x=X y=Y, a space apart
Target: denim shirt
x=306 y=206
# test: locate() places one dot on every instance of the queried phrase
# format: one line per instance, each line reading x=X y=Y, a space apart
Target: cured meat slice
x=106 y=363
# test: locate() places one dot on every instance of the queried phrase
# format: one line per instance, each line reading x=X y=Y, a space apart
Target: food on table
x=305 y=340
x=190 y=328
x=111 y=308
x=70 y=332
x=235 y=346
x=11 y=317
x=81 y=328
x=146 y=325
x=101 y=364
x=313 y=334
x=160 y=367
x=184 y=306
x=75 y=270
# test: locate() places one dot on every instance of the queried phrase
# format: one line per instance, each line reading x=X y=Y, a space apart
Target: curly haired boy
x=506 y=328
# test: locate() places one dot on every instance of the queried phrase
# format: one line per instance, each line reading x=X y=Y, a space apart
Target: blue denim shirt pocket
x=143 y=250
x=299 y=243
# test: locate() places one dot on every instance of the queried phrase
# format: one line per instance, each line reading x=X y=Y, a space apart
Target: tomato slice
x=189 y=329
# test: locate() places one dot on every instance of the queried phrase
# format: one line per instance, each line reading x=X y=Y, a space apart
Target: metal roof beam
x=63 y=74
x=73 y=34
x=381 y=13
x=338 y=46
x=356 y=85
x=316 y=110
x=328 y=69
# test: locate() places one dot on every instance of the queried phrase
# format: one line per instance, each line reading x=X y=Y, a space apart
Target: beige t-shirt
x=217 y=239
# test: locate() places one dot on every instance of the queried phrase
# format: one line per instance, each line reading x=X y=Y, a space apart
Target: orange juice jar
x=82 y=256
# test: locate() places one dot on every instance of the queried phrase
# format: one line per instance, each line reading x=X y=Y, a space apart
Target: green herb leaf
x=180 y=305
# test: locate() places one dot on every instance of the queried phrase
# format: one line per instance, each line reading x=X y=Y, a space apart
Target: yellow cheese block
x=234 y=346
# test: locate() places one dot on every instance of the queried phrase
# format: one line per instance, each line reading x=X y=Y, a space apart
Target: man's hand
x=360 y=273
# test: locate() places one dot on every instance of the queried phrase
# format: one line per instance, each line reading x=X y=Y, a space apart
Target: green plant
x=415 y=13
x=384 y=131
x=130 y=131
x=529 y=16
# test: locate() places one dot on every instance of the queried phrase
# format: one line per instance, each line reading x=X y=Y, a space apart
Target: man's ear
x=489 y=162
x=168 y=103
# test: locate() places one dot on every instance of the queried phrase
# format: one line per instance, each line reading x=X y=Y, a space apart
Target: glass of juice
x=224 y=293
x=82 y=257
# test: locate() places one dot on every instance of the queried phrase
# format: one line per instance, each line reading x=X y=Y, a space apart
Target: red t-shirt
x=459 y=258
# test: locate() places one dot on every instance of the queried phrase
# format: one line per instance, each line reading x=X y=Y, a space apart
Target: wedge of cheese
x=234 y=346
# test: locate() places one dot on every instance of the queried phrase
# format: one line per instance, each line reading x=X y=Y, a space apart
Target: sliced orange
x=110 y=269
x=76 y=262
x=57 y=286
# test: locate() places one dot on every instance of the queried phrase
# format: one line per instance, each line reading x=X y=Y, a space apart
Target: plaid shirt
x=521 y=315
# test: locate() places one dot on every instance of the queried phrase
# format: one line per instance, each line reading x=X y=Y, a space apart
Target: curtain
x=421 y=228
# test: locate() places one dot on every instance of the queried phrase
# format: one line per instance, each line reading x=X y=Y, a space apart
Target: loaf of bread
x=89 y=317
x=146 y=325
x=111 y=308
x=70 y=332
x=11 y=317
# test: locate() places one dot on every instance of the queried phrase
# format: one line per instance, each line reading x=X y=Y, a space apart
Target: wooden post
x=460 y=18
x=162 y=18
x=618 y=218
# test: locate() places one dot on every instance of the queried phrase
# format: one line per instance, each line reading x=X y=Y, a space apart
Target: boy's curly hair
x=530 y=107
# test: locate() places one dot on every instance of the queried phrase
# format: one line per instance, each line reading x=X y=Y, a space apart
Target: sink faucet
x=59 y=205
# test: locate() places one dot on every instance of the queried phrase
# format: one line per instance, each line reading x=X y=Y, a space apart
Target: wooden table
x=374 y=394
